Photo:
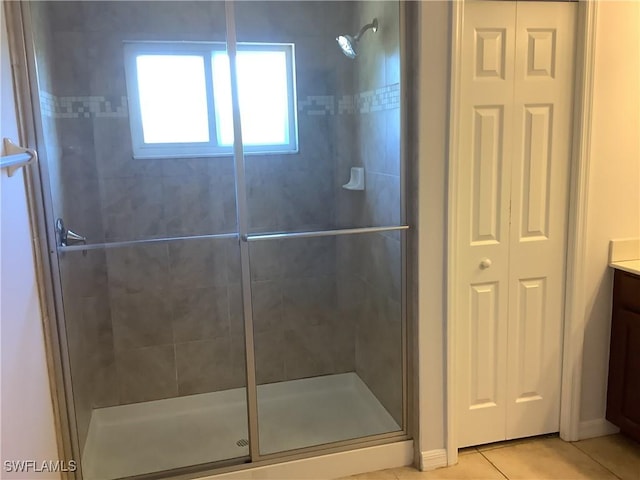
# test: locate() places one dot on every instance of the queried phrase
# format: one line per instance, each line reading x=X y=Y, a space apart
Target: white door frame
x=573 y=339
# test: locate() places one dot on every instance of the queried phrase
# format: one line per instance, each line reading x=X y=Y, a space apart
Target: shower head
x=348 y=43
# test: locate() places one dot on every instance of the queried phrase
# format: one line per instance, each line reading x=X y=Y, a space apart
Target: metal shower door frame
x=22 y=46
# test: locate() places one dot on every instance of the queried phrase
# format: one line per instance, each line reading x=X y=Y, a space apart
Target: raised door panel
x=483 y=359
x=529 y=330
x=483 y=219
x=486 y=175
x=535 y=170
x=630 y=405
x=490 y=53
x=540 y=160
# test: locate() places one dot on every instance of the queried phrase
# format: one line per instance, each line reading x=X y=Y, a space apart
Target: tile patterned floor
x=612 y=457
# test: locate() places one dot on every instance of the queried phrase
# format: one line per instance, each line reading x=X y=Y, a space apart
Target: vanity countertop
x=631 y=266
x=624 y=254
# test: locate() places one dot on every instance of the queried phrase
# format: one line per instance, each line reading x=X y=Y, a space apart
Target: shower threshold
x=159 y=435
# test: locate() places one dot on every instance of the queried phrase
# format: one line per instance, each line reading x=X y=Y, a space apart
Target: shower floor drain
x=243 y=442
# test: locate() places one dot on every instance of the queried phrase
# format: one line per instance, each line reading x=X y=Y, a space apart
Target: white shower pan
x=165 y=434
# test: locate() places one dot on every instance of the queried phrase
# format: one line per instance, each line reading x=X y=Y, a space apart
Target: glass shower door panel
x=156 y=353
x=326 y=309
x=328 y=338
x=152 y=305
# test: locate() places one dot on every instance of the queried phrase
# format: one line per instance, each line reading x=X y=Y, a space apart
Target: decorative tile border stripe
x=83 y=107
x=317 y=105
x=383 y=98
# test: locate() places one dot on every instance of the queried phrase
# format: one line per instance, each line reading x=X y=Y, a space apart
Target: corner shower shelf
x=356 y=179
x=16 y=157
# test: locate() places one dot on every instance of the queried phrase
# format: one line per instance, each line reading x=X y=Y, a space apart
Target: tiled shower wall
x=156 y=321
x=369 y=276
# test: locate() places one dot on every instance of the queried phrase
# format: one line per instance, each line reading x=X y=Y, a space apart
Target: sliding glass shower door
x=226 y=211
x=144 y=233
x=324 y=220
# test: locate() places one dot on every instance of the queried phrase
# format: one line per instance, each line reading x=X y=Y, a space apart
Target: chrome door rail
x=221 y=236
x=323 y=233
x=129 y=243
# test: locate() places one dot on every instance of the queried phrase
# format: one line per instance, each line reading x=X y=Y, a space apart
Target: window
x=180 y=98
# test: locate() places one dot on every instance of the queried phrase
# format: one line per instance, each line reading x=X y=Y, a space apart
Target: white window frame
x=143 y=150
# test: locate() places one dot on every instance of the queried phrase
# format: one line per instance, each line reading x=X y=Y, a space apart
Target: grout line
x=493 y=465
x=573 y=444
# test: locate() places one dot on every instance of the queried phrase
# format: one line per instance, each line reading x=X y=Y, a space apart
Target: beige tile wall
x=370 y=265
x=163 y=320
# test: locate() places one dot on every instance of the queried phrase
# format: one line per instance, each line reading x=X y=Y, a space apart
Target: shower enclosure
x=223 y=296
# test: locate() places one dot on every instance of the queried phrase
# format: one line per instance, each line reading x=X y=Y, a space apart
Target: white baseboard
x=433 y=459
x=596 y=428
x=333 y=465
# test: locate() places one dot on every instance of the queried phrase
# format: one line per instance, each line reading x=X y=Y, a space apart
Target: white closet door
x=541 y=151
x=514 y=150
x=485 y=135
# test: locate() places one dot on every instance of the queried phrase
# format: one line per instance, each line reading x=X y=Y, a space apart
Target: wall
x=28 y=431
x=433 y=75
x=369 y=266
x=614 y=177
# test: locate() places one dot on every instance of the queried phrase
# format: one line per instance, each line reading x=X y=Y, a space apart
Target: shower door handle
x=68 y=237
